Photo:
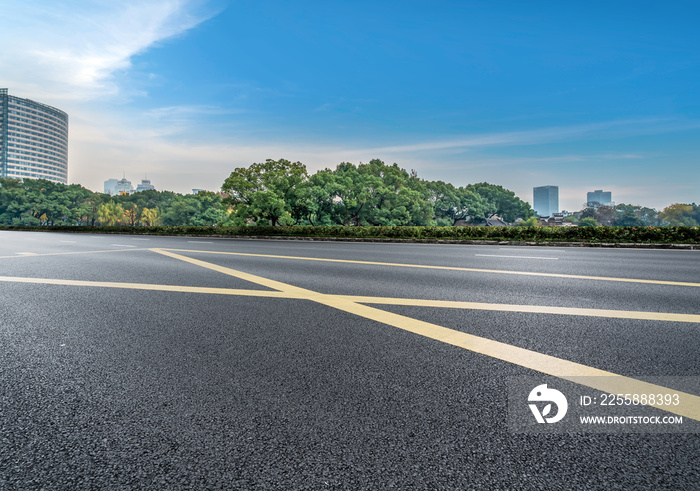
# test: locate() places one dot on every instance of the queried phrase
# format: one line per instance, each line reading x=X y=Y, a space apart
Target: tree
x=588 y=222
x=182 y=210
x=452 y=204
x=588 y=212
x=110 y=213
x=93 y=205
x=355 y=194
x=635 y=216
x=263 y=192
x=314 y=200
x=211 y=209
x=150 y=217
x=473 y=206
x=603 y=215
x=445 y=200
x=14 y=202
x=131 y=214
x=679 y=215
x=397 y=197
x=530 y=222
x=507 y=205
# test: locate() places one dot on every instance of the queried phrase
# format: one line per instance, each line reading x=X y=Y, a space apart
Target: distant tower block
x=144 y=186
x=598 y=198
x=545 y=200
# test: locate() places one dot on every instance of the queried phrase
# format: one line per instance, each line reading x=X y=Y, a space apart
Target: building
x=114 y=187
x=119 y=186
x=111 y=186
x=123 y=186
x=545 y=200
x=33 y=140
x=598 y=198
x=144 y=186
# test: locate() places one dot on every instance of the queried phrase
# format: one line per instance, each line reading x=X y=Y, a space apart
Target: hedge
x=658 y=235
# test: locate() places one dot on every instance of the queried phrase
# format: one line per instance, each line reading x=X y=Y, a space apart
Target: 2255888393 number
x=637 y=399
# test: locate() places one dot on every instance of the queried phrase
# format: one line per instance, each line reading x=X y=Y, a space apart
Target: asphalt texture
x=106 y=388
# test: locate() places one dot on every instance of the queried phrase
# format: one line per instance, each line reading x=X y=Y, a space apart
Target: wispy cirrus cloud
x=73 y=49
x=606 y=129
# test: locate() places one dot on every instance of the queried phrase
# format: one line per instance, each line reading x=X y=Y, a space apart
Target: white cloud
x=71 y=50
x=607 y=129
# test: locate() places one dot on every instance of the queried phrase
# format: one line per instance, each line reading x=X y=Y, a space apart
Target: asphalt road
x=134 y=362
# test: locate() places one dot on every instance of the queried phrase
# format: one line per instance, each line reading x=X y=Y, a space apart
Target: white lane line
x=520 y=248
x=198 y=242
x=518 y=257
x=122 y=245
x=26 y=253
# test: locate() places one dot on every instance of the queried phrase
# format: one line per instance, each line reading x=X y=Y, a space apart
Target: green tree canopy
x=265 y=192
x=41 y=202
x=508 y=206
x=588 y=222
x=680 y=215
x=635 y=216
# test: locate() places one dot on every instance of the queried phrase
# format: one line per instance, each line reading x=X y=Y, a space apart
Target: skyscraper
x=545 y=200
x=598 y=198
x=33 y=140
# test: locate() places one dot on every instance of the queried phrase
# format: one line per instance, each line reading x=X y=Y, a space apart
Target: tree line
x=280 y=192
x=623 y=215
x=42 y=202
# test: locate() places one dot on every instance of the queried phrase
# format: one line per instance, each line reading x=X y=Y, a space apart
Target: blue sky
x=583 y=95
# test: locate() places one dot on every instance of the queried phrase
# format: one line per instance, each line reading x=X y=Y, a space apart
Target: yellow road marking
x=275 y=285
x=595 y=378
x=550 y=365
x=612 y=383
x=532 y=309
x=377 y=263
x=449 y=268
x=411 y=302
x=147 y=286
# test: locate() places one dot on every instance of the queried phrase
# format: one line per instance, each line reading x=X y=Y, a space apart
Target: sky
x=583 y=95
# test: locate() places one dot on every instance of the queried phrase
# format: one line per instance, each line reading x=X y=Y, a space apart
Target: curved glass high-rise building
x=33 y=140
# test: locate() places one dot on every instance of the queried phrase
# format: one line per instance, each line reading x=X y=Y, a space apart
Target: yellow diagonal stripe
x=414 y=302
x=450 y=268
x=147 y=286
x=600 y=379
x=275 y=285
x=532 y=309
x=597 y=379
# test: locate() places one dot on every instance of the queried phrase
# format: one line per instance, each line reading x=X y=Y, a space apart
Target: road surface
x=179 y=362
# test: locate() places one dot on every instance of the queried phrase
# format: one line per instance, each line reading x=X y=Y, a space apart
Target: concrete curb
x=619 y=245
x=612 y=245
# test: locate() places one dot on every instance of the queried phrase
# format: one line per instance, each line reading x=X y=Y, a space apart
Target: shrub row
x=659 y=235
